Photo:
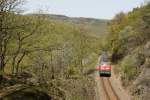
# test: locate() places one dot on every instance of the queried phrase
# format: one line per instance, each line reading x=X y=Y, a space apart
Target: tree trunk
x=19 y=61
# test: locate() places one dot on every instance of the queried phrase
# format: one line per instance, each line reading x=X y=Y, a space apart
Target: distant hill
x=97 y=27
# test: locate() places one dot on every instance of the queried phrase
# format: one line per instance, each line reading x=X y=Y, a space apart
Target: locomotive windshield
x=104 y=57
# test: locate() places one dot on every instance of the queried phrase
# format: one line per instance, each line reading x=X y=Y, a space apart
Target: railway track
x=108 y=89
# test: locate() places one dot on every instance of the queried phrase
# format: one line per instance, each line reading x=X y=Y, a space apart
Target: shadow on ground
x=28 y=94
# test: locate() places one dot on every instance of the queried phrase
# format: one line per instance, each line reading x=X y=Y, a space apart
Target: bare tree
x=7 y=9
x=23 y=39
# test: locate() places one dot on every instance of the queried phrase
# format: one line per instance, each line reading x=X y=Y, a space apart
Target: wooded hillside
x=48 y=53
x=129 y=42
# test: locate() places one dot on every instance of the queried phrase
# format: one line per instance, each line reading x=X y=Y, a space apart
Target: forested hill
x=77 y=20
x=48 y=52
x=96 y=26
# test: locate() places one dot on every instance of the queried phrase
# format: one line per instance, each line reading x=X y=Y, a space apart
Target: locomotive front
x=104 y=65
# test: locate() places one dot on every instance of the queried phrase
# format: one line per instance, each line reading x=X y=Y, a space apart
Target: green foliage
x=53 y=46
x=72 y=71
x=129 y=67
x=47 y=48
x=128 y=31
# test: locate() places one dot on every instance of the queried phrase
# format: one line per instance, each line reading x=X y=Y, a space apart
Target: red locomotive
x=104 y=66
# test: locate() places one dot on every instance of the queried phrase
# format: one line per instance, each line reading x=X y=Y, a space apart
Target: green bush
x=129 y=67
x=72 y=71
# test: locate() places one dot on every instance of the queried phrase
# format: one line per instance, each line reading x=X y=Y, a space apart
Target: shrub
x=129 y=67
x=72 y=71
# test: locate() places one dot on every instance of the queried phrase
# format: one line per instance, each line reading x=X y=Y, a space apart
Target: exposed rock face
x=141 y=86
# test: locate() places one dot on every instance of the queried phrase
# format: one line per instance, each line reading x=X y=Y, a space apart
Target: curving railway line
x=108 y=89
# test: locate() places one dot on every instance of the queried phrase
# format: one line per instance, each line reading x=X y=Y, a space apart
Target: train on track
x=104 y=66
x=105 y=70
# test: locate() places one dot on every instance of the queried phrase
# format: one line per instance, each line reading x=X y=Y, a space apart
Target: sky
x=101 y=9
